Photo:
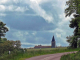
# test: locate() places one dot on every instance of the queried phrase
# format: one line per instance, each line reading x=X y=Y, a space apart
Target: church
x=52 y=44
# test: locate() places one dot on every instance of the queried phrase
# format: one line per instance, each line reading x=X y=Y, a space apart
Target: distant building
x=52 y=44
x=40 y=46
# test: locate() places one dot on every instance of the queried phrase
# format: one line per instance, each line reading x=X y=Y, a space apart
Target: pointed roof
x=53 y=39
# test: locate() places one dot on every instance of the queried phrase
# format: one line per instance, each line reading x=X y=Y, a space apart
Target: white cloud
x=20 y=35
x=64 y=20
x=58 y=35
x=58 y=30
x=41 y=12
x=40 y=1
x=16 y=8
x=26 y=33
x=2 y=14
x=16 y=1
x=2 y=8
x=3 y=1
x=21 y=9
x=34 y=33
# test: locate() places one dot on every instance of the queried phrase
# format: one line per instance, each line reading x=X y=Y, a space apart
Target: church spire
x=53 y=42
x=53 y=39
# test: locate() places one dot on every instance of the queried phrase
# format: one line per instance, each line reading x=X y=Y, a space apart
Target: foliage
x=74 y=7
x=78 y=43
x=72 y=40
x=9 y=46
x=3 y=29
x=73 y=56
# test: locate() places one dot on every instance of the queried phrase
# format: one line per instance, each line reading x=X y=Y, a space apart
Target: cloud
x=40 y=1
x=58 y=35
x=13 y=8
x=2 y=8
x=3 y=1
x=20 y=35
x=2 y=14
x=41 y=12
x=34 y=33
x=26 y=33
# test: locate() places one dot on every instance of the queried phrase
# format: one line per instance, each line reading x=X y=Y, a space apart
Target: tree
x=10 y=46
x=18 y=44
x=78 y=43
x=72 y=40
x=4 y=39
x=74 y=7
x=3 y=29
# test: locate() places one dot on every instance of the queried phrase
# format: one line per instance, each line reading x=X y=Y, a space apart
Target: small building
x=40 y=46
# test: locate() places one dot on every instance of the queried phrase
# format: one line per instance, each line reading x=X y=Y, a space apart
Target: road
x=56 y=56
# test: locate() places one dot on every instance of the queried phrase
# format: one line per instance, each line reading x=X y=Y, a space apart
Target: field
x=37 y=49
x=35 y=52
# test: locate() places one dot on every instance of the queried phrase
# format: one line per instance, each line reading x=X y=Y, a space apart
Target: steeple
x=53 y=39
x=53 y=42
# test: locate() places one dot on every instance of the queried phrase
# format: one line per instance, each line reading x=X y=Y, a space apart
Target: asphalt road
x=50 y=56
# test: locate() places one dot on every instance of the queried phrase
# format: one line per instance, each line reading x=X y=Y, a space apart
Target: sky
x=34 y=22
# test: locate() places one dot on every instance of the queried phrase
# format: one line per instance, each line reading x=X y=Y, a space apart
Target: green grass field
x=35 y=52
x=36 y=49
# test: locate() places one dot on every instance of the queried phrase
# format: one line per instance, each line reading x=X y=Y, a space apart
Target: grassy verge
x=32 y=53
x=73 y=56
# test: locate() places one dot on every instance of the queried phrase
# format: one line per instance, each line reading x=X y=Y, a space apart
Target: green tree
x=78 y=43
x=74 y=7
x=3 y=29
x=72 y=40
x=18 y=44
x=10 y=46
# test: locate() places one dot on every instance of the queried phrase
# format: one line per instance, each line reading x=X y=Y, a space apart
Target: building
x=40 y=46
x=52 y=44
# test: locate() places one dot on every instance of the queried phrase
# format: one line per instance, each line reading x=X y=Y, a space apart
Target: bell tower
x=53 y=43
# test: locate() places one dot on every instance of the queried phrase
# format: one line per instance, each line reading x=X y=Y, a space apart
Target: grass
x=37 y=49
x=73 y=56
x=35 y=52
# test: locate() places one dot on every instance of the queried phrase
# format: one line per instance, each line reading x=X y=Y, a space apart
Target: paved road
x=50 y=56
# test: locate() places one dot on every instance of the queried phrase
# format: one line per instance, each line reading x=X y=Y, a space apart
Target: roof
x=42 y=46
x=53 y=39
